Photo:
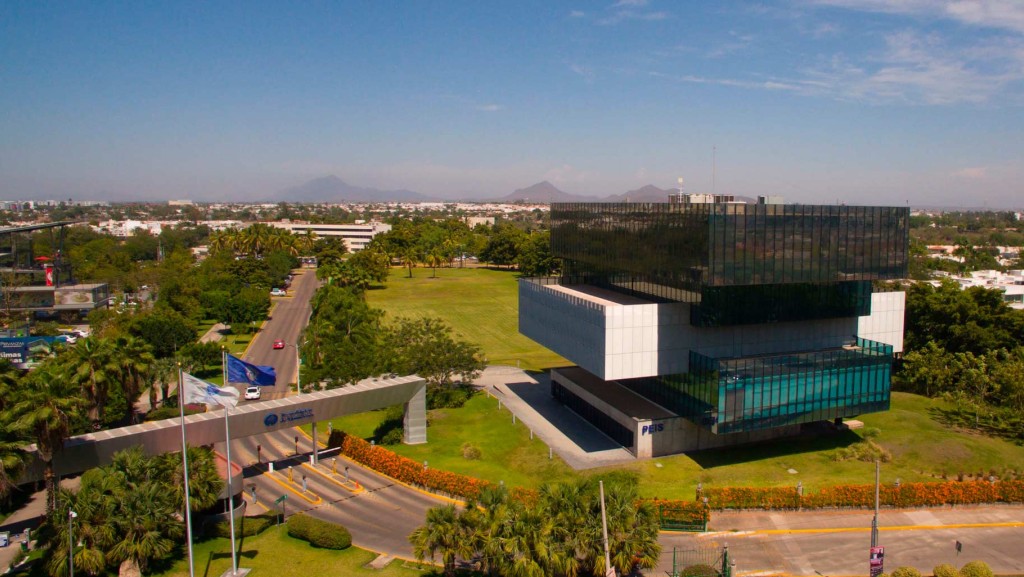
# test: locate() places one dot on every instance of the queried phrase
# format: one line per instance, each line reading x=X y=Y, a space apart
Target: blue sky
x=860 y=101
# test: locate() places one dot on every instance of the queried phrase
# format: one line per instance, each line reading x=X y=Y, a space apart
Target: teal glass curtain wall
x=768 y=391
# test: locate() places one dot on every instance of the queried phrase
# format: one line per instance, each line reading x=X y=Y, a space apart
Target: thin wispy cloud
x=1002 y=14
x=971 y=173
x=585 y=72
x=490 y=107
x=736 y=43
x=577 y=14
x=624 y=10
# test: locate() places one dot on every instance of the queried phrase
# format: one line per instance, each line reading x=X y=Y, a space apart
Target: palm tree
x=48 y=402
x=127 y=515
x=204 y=482
x=93 y=365
x=306 y=241
x=12 y=457
x=222 y=240
x=93 y=531
x=434 y=260
x=135 y=364
x=446 y=532
x=409 y=258
x=146 y=527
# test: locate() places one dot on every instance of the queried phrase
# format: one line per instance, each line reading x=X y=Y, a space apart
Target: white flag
x=200 y=391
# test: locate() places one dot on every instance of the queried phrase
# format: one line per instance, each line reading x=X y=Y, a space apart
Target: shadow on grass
x=215 y=555
x=805 y=443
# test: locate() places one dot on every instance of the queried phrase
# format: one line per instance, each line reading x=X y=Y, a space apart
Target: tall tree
x=135 y=364
x=93 y=366
x=12 y=457
x=48 y=404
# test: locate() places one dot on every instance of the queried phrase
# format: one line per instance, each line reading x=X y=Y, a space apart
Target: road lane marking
x=356 y=489
x=296 y=490
x=862 y=529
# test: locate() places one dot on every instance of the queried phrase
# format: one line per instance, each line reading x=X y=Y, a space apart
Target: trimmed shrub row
x=245 y=527
x=319 y=533
x=906 y=495
x=406 y=470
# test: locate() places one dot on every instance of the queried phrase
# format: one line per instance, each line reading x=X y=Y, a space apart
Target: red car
x=279 y=344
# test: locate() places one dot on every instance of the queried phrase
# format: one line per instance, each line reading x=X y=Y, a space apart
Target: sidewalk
x=28 y=517
x=528 y=397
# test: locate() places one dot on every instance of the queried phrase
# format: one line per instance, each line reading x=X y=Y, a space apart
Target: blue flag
x=240 y=371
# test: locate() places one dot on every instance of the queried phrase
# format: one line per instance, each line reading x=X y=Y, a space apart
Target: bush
x=448 y=397
x=319 y=533
x=470 y=452
x=392 y=437
x=945 y=570
x=906 y=572
x=866 y=450
x=976 y=569
x=871 y=432
x=247 y=527
x=173 y=413
x=699 y=571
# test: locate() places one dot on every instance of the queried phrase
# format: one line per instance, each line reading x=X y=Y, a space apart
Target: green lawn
x=273 y=552
x=481 y=305
x=506 y=451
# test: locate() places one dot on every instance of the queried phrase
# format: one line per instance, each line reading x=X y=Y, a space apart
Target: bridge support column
x=415 y=420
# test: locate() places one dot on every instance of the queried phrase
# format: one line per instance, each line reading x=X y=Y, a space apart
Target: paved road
x=833 y=543
x=288 y=318
x=379 y=512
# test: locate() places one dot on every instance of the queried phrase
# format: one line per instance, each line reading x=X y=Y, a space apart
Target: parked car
x=279 y=344
x=252 y=393
x=277 y=292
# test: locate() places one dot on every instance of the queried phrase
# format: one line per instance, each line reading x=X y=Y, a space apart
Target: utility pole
x=874 y=521
x=608 y=571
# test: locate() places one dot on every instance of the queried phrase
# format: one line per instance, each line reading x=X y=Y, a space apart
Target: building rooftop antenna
x=714 y=168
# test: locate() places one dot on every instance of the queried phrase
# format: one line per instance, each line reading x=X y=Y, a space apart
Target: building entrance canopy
x=85 y=452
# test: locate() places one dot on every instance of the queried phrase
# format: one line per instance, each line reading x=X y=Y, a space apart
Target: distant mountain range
x=333 y=189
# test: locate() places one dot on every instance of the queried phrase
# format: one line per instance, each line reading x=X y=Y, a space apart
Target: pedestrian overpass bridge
x=84 y=452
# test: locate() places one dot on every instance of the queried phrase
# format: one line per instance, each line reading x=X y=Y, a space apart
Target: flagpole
x=184 y=465
x=227 y=441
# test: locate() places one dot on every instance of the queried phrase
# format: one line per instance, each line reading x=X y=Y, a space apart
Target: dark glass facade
x=817 y=260
x=730 y=395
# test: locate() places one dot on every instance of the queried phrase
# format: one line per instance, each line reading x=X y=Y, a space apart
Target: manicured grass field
x=273 y=552
x=481 y=306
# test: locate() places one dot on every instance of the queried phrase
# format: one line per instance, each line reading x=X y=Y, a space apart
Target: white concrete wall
x=885 y=324
x=615 y=341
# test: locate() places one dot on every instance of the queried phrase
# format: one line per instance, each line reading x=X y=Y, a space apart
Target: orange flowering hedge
x=906 y=495
x=684 y=512
x=405 y=469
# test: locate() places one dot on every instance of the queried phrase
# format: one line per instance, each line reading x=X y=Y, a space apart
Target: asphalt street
x=379 y=512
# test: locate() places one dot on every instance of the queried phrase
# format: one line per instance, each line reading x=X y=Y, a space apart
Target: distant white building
x=357 y=236
x=1011 y=283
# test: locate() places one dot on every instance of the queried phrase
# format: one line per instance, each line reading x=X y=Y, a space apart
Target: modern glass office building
x=735 y=317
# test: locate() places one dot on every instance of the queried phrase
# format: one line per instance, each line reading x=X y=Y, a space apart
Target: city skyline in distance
x=820 y=101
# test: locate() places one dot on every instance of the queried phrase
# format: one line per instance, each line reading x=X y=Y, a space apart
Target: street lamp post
x=298 y=387
x=71 y=543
